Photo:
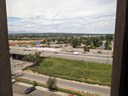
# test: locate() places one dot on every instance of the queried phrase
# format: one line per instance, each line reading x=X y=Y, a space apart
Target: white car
x=75 y=53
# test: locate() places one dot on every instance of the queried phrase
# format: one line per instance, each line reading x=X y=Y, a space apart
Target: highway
x=68 y=55
x=73 y=85
x=89 y=58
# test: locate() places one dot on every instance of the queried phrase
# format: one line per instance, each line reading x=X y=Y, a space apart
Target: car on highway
x=30 y=89
x=75 y=53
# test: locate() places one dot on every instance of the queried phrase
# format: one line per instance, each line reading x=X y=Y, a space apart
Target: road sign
x=37 y=43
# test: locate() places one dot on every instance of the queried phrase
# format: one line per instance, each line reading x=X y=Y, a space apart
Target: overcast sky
x=76 y=16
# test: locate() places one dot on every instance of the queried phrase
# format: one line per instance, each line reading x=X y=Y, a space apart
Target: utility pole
x=5 y=70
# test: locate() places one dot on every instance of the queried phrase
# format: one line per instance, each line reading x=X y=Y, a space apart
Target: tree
x=86 y=49
x=35 y=58
x=109 y=37
x=75 y=42
x=51 y=83
x=35 y=83
x=102 y=37
x=28 y=58
x=108 y=45
x=43 y=42
x=99 y=52
x=96 y=41
x=88 y=42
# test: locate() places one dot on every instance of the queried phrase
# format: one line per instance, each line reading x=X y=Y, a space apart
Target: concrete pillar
x=120 y=61
x=5 y=72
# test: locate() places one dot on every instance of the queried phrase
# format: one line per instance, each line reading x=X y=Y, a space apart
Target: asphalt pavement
x=101 y=90
x=90 y=58
x=19 y=90
x=18 y=65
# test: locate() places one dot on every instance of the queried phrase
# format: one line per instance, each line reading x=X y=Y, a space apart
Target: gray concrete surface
x=102 y=90
x=19 y=90
x=18 y=65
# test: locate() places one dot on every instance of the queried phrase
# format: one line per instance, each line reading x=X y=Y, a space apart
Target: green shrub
x=52 y=84
x=99 y=52
x=35 y=83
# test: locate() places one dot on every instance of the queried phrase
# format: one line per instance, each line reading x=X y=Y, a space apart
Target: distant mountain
x=12 y=19
x=18 y=32
x=50 y=34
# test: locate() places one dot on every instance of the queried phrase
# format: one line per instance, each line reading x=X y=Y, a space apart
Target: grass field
x=81 y=71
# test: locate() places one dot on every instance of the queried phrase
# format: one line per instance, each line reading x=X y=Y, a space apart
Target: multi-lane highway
x=99 y=58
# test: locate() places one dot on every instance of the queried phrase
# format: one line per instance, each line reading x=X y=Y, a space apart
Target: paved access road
x=73 y=85
x=18 y=90
x=18 y=65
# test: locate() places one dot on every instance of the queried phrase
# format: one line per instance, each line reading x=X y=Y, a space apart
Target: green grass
x=59 y=89
x=81 y=71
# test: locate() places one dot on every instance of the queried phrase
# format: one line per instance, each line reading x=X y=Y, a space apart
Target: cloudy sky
x=73 y=16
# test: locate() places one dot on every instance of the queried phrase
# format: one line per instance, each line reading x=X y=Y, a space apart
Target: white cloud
x=62 y=15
